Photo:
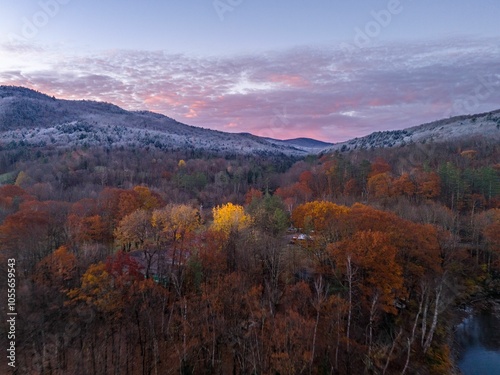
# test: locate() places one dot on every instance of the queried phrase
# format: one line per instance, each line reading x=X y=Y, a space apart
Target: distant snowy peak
x=312 y=146
x=307 y=143
x=456 y=128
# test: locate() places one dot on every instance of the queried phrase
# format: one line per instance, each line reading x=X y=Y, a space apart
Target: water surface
x=478 y=343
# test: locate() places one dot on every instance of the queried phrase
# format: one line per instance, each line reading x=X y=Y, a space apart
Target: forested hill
x=30 y=118
x=455 y=129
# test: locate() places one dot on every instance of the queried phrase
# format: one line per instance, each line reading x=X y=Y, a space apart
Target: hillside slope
x=30 y=118
x=485 y=125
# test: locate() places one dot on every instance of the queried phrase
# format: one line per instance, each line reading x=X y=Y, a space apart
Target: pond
x=477 y=340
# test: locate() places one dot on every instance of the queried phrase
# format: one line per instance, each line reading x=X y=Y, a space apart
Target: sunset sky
x=326 y=69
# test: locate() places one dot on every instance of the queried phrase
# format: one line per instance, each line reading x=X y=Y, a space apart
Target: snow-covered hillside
x=312 y=146
x=453 y=129
x=30 y=118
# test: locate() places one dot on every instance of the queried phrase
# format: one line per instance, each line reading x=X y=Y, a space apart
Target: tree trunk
x=314 y=340
x=428 y=341
x=388 y=360
x=349 y=314
x=370 y=326
x=412 y=337
x=424 y=319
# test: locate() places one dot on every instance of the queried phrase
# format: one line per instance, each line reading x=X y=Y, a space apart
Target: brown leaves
x=251 y=195
x=379 y=166
x=56 y=270
x=380 y=185
x=98 y=290
x=106 y=286
x=417 y=244
x=428 y=185
x=320 y=216
x=374 y=257
x=10 y=195
x=404 y=185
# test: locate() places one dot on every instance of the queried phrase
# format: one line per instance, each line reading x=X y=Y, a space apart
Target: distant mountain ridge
x=31 y=118
x=308 y=143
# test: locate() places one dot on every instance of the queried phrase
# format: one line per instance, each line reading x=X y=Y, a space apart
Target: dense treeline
x=148 y=262
x=72 y=174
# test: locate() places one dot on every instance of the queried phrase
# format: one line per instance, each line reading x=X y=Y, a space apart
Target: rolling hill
x=30 y=118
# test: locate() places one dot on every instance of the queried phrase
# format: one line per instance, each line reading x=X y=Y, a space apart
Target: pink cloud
x=289 y=80
x=312 y=92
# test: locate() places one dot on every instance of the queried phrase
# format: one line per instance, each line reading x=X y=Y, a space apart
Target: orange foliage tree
x=12 y=195
x=251 y=195
x=379 y=166
x=428 y=184
x=367 y=261
x=148 y=199
x=56 y=270
x=88 y=229
x=34 y=231
x=417 y=244
x=324 y=218
x=106 y=286
x=380 y=185
x=403 y=185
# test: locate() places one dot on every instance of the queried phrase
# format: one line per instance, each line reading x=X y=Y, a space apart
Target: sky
x=326 y=69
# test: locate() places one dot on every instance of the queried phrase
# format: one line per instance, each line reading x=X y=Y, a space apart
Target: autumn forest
x=148 y=261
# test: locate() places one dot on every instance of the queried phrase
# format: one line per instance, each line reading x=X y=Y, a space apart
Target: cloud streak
x=323 y=93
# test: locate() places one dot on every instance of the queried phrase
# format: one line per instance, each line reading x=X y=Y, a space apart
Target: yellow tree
x=23 y=180
x=134 y=228
x=229 y=220
x=174 y=223
x=230 y=217
x=98 y=289
x=106 y=286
